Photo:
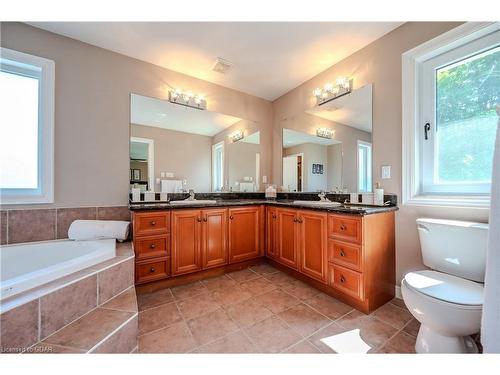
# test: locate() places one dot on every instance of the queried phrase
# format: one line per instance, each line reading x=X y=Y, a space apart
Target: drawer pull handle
x=152 y=269
x=153 y=222
x=342 y=279
x=342 y=254
x=152 y=246
x=343 y=227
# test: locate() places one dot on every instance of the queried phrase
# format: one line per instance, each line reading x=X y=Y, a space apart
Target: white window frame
x=413 y=63
x=45 y=191
x=220 y=145
x=369 y=163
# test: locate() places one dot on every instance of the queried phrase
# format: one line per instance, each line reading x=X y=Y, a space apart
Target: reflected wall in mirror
x=341 y=162
x=174 y=148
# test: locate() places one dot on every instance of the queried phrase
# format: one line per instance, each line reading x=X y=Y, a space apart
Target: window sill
x=479 y=202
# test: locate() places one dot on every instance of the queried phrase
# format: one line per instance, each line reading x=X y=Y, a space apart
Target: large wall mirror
x=329 y=147
x=175 y=148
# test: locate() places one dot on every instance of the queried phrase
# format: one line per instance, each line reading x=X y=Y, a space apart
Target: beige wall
x=187 y=156
x=92 y=91
x=379 y=63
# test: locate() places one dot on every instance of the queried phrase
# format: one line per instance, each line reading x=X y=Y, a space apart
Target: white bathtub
x=28 y=265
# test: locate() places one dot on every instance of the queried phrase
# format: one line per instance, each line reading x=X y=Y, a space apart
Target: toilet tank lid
x=446 y=287
x=454 y=223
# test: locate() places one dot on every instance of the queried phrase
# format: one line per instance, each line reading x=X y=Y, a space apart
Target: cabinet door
x=214 y=237
x=271 y=232
x=313 y=247
x=244 y=233
x=186 y=240
x=287 y=237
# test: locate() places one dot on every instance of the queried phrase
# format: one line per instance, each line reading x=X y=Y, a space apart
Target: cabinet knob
x=152 y=269
x=205 y=219
x=299 y=220
x=342 y=254
x=342 y=279
x=295 y=220
x=231 y=217
x=198 y=219
x=152 y=245
x=153 y=222
x=343 y=227
x=274 y=216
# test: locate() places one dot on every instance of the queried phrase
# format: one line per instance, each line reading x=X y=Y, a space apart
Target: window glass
x=19 y=131
x=466 y=95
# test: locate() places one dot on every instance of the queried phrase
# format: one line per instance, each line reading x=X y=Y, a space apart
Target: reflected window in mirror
x=218 y=166
x=364 y=167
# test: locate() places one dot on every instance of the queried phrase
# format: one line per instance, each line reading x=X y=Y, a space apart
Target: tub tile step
x=91 y=329
x=125 y=301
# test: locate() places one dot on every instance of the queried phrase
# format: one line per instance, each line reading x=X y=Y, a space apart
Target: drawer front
x=154 y=270
x=152 y=247
x=347 y=281
x=345 y=254
x=345 y=228
x=149 y=223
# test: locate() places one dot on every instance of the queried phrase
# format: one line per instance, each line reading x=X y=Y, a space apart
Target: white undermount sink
x=195 y=201
x=318 y=203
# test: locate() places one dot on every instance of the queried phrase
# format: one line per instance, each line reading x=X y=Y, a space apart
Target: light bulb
x=328 y=87
x=317 y=92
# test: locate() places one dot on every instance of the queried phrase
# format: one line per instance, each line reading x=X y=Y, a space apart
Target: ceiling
x=269 y=58
x=163 y=114
x=293 y=138
x=354 y=109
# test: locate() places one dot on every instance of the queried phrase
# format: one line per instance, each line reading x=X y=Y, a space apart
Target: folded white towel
x=98 y=229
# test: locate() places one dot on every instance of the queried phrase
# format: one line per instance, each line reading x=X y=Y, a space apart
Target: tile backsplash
x=30 y=225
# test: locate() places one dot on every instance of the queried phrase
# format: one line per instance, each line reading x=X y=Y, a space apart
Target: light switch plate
x=386 y=171
x=162 y=174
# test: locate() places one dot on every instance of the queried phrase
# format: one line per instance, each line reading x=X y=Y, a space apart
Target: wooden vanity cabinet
x=246 y=233
x=199 y=240
x=151 y=233
x=312 y=243
x=272 y=233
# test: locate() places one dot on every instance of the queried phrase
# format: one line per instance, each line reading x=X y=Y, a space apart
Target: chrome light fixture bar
x=331 y=91
x=187 y=99
x=238 y=135
x=324 y=133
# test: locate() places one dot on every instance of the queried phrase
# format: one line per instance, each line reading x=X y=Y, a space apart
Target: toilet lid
x=446 y=287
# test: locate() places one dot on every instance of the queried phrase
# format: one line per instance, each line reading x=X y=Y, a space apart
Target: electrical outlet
x=169 y=175
x=386 y=171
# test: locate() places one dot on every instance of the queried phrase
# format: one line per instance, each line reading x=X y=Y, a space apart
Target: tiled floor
x=263 y=310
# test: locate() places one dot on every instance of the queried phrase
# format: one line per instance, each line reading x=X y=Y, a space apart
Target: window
x=451 y=86
x=218 y=166
x=26 y=128
x=364 y=167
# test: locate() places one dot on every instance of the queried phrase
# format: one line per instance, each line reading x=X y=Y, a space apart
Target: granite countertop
x=347 y=209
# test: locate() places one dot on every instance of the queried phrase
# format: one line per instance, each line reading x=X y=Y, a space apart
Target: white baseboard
x=398 y=292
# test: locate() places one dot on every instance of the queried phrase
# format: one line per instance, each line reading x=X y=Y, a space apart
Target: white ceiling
x=163 y=114
x=270 y=58
x=354 y=109
x=294 y=138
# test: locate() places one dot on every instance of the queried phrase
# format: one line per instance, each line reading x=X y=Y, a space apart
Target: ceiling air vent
x=222 y=66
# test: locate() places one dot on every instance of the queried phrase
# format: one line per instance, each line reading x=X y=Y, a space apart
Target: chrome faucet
x=191 y=195
x=322 y=197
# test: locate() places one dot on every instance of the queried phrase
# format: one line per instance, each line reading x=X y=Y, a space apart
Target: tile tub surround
x=38 y=314
x=278 y=320
x=28 y=225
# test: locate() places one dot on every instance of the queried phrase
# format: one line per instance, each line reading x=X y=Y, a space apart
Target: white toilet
x=448 y=299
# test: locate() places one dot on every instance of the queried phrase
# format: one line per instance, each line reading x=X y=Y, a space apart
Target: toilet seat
x=447 y=288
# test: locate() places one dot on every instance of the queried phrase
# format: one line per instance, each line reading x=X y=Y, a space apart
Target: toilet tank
x=454 y=247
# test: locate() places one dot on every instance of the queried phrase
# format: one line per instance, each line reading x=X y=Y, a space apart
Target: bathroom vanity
x=345 y=252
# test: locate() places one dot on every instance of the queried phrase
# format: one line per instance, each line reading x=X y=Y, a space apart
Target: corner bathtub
x=29 y=265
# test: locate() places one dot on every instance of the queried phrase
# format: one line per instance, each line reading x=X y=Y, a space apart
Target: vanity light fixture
x=331 y=91
x=324 y=133
x=238 y=135
x=187 y=98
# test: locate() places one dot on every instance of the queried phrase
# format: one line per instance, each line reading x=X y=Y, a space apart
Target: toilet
x=447 y=299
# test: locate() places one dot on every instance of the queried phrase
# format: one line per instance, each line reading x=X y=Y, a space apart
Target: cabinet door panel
x=244 y=233
x=287 y=240
x=186 y=240
x=271 y=232
x=214 y=244
x=313 y=244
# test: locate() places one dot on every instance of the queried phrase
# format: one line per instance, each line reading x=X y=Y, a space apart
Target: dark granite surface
x=357 y=209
